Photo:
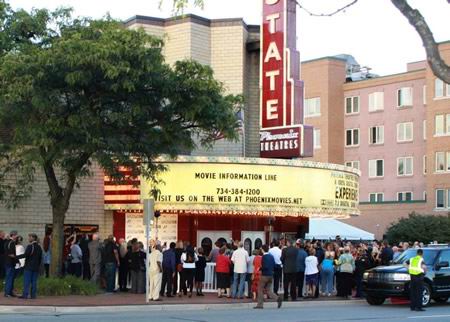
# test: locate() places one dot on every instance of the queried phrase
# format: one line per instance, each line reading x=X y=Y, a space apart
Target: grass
x=53 y=286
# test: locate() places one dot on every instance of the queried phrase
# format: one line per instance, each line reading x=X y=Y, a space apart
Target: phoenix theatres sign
x=282 y=134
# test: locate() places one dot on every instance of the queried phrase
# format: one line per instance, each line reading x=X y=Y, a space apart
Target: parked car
x=382 y=282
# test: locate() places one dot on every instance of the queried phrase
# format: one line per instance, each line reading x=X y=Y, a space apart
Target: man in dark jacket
x=289 y=260
x=387 y=254
x=10 y=263
x=33 y=261
x=266 y=279
x=2 y=254
x=169 y=268
x=301 y=256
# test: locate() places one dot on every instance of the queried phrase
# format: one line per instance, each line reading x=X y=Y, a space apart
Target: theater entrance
x=253 y=240
x=207 y=238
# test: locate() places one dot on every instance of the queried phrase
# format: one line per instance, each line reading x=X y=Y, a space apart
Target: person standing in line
x=311 y=272
x=289 y=260
x=346 y=264
x=76 y=259
x=327 y=275
x=47 y=249
x=111 y=261
x=387 y=254
x=20 y=250
x=10 y=263
x=265 y=282
x=179 y=269
x=188 y=259
x=239 y=259
x=223 y=264
x=256 y=276
x=2 y=254
x=300 y=264
x=33 y=259
x=95 y=258
x=169 y=270
x=250 y=271
x=136 y=265
x=275 y=251
x=84 y=243
x=416 y=269
x=123 y=268
x=155 y=269
x=361 y=265
x=200 y=266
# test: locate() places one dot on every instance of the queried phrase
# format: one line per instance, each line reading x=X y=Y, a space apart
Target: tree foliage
x=424 y=228
x=74 y=92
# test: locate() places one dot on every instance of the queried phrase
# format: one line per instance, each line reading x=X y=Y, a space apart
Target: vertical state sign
x=282 y=134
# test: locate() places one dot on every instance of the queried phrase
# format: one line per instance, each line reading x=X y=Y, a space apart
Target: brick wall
x=86 y=207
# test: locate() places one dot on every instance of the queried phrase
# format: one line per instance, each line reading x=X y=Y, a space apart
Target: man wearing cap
x=10 y=263
x=33 y=260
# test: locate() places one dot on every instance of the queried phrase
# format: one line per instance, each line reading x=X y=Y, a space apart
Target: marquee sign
x=282 y=134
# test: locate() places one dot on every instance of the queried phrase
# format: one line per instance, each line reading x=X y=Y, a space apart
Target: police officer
x=417 y=270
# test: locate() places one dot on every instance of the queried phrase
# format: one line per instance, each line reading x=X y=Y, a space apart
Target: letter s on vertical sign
x=271 y=2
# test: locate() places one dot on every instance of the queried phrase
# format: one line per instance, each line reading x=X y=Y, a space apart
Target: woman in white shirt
x=20 y=250
x=311 y=273
x=188 y=259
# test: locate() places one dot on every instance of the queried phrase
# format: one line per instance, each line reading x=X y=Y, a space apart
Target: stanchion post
x=149 y=213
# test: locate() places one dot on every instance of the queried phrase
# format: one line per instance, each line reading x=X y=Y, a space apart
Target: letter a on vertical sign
x=283 y=134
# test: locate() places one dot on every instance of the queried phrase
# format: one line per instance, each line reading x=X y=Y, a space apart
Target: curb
x=56 y=310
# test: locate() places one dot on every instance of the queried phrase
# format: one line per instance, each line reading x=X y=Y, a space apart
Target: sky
x=373 y=31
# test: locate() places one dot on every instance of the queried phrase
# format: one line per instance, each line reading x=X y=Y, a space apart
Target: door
x=253 y=240
x=442 y=276
x=207 y=238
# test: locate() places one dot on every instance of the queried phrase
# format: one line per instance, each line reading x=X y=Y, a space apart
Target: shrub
x=69 y=285
x=424 y=228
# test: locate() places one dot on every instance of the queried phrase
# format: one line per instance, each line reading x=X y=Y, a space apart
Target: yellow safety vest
x=415 y=266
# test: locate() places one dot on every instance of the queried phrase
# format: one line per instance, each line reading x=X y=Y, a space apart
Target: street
x=316 y=312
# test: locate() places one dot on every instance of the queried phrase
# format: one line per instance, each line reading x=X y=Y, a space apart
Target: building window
x=352 y=137
x=376 y=197
x=352 y=164
x=424 y=94
x=405 y=132
x=424 y=195
x=316 y=138
x=424 y=164
x=376 y=101
x=441 y=90
x=352 y=105
x=376 y=135
x=405 y=166
x=404 y=196
x=448 y=123
x=424 y=130
x=439 y=124
x=376 y=168
x=312 y=107
x=404 y=97
x=440 y=161
x=440 y=198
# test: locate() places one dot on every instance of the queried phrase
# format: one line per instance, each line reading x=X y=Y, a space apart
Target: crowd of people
x=306 y=269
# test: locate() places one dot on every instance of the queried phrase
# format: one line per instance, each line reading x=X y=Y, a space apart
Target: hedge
x=69 y=285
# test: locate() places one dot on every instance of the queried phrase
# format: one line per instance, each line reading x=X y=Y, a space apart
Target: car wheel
x=372 y=300
x=426 y=295
x=442 y=299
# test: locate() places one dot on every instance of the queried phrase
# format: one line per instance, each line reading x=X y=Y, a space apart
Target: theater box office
x=203 y=199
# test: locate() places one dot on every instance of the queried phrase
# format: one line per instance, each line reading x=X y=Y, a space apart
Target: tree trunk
x=57 y=241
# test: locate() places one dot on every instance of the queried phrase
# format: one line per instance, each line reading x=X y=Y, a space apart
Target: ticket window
x=206 y=239
x=253 y=240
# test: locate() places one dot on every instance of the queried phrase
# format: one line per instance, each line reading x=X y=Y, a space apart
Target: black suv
x=382 y=282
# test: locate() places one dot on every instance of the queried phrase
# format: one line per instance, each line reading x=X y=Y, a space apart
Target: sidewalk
x=124 y=299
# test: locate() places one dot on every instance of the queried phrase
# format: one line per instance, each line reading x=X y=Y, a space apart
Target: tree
x=424 y=228
x=78 y=92
x=415 y=18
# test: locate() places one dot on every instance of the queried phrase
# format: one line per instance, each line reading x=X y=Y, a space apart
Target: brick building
x=395 y=129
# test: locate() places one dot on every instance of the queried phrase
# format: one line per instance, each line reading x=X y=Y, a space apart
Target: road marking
x=429 y=316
